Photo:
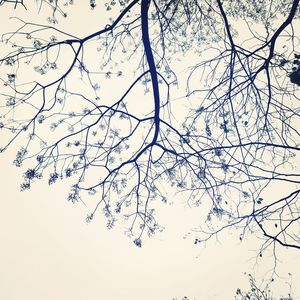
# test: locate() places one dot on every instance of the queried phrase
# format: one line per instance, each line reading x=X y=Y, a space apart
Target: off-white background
x=48 y=252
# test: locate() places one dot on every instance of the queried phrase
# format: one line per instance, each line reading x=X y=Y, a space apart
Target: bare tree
x=223 y=133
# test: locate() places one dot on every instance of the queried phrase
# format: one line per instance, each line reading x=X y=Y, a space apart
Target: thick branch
x=152 y=68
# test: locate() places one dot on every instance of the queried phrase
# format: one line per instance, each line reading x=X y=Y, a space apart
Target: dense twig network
x=224 y=142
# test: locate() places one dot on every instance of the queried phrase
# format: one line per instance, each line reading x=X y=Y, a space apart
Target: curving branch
x=114 y=113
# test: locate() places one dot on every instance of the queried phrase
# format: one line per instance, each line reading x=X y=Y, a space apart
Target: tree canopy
x=198 y=96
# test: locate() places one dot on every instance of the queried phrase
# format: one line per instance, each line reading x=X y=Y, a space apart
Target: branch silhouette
x=223 y=133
